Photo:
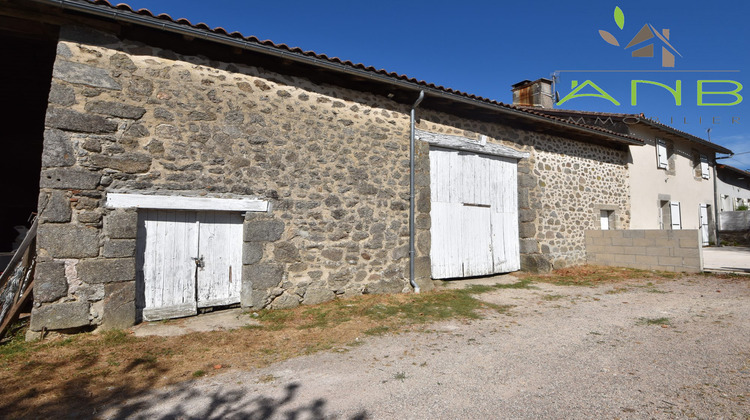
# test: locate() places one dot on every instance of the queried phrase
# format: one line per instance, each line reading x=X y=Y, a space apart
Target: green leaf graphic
x=619 y=17
x=609 y=38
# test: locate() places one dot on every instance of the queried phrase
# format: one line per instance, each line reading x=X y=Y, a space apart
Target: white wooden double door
x=187 y=260
x=474 y=214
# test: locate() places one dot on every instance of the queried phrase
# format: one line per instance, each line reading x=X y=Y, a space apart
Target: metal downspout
x=412 y=195
x=716 y=204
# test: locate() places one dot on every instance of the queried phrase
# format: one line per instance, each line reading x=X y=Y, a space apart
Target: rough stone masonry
x=125 y=116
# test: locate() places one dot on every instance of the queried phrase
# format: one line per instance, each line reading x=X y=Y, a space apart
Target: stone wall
x=562 y=187
x=127 y=117
x=665 y=250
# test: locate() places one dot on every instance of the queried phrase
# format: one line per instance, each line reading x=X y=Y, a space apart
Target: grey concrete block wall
x=665 y=250
x=734 y=220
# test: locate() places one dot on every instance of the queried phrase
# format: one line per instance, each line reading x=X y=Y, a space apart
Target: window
x=664 y=219
x=662 y=158
x=704 y=166
x=675 y=216
x=604 y=217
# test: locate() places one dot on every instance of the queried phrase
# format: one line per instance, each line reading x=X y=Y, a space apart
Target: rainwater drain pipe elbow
x=412 y=195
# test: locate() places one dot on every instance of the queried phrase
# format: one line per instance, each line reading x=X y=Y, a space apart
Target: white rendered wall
x=647 y=182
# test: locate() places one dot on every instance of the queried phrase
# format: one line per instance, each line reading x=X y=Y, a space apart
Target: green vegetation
x=654 y=321
x=380 y=330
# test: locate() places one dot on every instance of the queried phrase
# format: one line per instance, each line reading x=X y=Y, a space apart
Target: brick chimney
x=537 y=93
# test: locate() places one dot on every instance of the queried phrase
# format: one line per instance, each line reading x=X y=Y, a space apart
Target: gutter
x=171 y=26
x=412 y=196
x=659 y=126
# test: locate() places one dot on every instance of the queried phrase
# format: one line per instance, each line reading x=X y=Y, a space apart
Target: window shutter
x=674 y=208
x=704 y=166
x=661 y=154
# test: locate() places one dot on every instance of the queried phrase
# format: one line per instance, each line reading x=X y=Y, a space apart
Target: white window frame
x=675 y=215
x=662 y=159
x=704 y=167
x=604 y=219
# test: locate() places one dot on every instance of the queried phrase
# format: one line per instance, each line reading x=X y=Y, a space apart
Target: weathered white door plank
x=219 y=280
x=166 y=270
x=474 y=214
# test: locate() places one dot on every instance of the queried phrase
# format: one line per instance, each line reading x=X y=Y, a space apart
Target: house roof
x=641 y=120
x=735 y=170
x=144 y=17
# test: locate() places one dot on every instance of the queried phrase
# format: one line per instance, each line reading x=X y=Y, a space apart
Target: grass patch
x=616 y=291
x=379 y=330
x=116 y=337
x=654 y=321
x=552 y=297
x=591 y=275
x=274 y=320
x=199 y=373
x=480 y=288
x=400 y=376
x=14 y=344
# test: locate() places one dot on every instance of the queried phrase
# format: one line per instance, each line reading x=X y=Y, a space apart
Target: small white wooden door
x=220 y=245
x=187 y=260
x=704 y=223
x=474 y=214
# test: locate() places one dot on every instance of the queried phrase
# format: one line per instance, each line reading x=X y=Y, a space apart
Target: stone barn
x=175 y=167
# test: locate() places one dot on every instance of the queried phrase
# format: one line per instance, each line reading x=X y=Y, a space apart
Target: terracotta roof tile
x=641 y=117
x=252 y=39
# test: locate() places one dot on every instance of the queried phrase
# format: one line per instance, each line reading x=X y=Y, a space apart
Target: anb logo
x=647 y=33
x=648 y=40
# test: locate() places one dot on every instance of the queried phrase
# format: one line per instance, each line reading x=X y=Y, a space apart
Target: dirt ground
x=640 y=349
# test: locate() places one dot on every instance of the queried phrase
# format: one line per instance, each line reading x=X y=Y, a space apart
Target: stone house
x=670 y=173
x=177 y=167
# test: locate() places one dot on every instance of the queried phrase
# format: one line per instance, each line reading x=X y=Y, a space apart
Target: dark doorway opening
x=28 y=50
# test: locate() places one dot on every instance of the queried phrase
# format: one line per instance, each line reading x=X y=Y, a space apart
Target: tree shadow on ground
x=186 y=402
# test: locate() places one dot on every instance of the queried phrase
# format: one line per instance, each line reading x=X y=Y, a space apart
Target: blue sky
x=483 y=47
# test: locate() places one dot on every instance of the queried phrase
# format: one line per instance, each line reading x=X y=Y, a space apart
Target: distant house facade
x=670 y=174
x=184 y=168
x=673 y=177
x=732 y=188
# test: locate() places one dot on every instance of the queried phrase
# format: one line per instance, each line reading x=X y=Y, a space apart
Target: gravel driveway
x=676 y=349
